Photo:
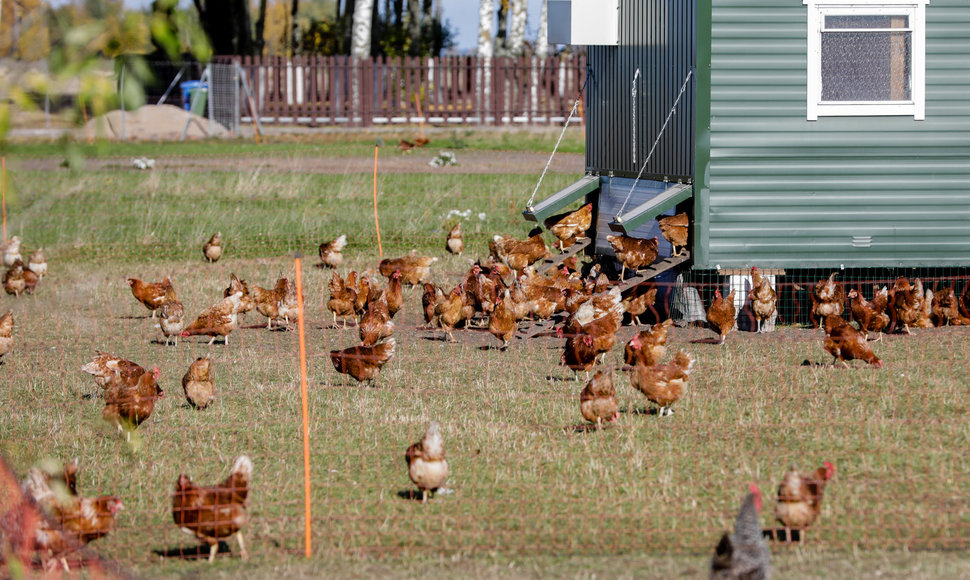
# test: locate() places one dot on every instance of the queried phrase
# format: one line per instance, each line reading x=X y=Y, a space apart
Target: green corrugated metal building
x=821 y=133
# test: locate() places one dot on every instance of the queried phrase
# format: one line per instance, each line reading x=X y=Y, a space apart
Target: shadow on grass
x=134 y=317
x=706 y=341
x=200 y=552
x=573 y=379
x=587 y=428
x=782 y=535
x=641 y=411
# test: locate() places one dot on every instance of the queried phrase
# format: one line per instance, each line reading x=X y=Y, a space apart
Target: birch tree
x=486 y=49
x=363 y=14
x=519 y=12
x=542 y=37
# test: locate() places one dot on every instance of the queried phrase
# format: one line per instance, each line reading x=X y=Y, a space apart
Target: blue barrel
x=187 y=87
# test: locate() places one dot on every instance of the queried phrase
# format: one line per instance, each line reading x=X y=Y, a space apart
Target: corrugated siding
x=783 y=191
x=656 y=36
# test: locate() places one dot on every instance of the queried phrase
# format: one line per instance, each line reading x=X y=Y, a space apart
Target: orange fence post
x=377 y=223
x=306 y=405
x=417 y=101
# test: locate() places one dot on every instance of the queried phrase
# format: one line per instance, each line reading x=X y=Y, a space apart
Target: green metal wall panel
x=781 y=191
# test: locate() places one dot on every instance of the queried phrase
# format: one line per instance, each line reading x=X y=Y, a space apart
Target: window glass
x=866 y=66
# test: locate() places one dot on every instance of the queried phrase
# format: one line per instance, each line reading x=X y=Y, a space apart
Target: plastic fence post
x=306 y=407
x=377 y=223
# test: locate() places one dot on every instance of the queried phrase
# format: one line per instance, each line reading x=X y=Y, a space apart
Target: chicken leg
x=242 y=547
x=213 y=548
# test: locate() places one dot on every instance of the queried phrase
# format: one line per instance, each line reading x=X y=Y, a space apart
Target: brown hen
x=215 y=513
x=363 y=363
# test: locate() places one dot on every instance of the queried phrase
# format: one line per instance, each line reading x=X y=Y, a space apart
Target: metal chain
x=566 y=126
x=683 y=88
x=633 y=96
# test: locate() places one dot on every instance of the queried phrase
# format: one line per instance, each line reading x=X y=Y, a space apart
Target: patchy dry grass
x=530 y=496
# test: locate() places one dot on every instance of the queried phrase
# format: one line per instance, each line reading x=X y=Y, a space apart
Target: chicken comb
x=829 y=469
x=752 y=488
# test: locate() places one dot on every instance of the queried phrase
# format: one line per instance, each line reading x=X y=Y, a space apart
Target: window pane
x=868 y=21
x=866 y=66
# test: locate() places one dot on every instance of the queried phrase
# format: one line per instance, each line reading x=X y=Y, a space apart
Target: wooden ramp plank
x=561 y=198
x=654 y=270
x=550 y=263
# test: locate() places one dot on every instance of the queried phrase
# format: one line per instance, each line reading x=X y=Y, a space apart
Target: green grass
x=531 y=496
x=342 y=144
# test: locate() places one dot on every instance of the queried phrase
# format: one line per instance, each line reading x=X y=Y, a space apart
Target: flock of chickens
x=498 y=293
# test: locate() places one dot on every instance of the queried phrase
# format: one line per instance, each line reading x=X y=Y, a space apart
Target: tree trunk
x=413 y=23
x=260 y=40
x=518 y=13
x=363 y=13
x=486 y=49
x=294 y=27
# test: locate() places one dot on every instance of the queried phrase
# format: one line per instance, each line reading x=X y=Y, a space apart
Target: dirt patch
x=151 y=123
x=512 y=162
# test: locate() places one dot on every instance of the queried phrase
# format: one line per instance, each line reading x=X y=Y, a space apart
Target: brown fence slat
x=388 y=87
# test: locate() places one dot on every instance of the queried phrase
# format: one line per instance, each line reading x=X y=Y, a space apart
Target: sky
x=463 y=16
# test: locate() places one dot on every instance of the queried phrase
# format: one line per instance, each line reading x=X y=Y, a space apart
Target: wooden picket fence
x=340 y=90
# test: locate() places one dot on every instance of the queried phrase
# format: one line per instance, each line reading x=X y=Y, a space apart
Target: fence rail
x=341 y=90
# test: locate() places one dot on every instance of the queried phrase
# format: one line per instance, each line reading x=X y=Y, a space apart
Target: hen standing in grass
x=427 y=466
x=363 y=363
x=414 y=269
x=871 y=316
x=171 y=320
x=215 y=513
x=800 y=497
x=152 y=295
x=376 y=322
x=502 y=323
x=638 y=301
x=268 y=300
x=647 y=347
x=212 y=250
x=395 y=294
x=454 y=244
x=197 y=384
x=664 y=384
x=330 y=252
x=946 y=309
x=597 y=401
x=13 y=280
x=828 y=298
x=37 y=263
x=342 y=298
x=72 y=521
x=845 y=343
x=762 y=299
x=246 y=302
x=743 y=554
x=130 y=400
x=721 y=314
x=11 y=251
x=217 y=320
x=6 y=333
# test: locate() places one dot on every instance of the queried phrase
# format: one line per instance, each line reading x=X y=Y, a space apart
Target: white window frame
x=915 y=10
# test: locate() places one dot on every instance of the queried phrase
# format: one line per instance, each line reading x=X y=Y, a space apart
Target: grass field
x=530 y=495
